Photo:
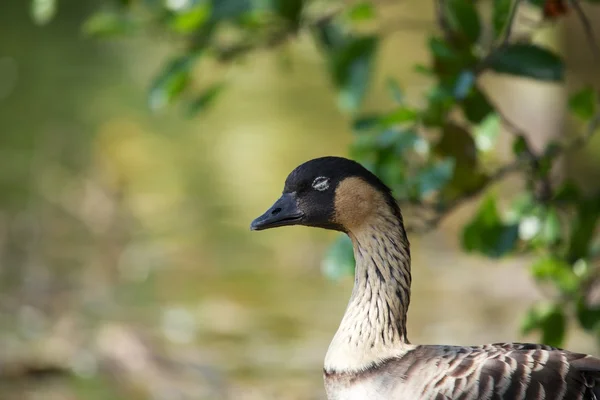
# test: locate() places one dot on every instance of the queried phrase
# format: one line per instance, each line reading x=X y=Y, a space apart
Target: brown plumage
x=370 y=356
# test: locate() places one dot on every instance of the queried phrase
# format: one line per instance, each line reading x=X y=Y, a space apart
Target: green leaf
x=435 y=177
x=549 y=319
x=500 y=13
x=486 y=133
x=588 y=315
x=449 y=62
x=553 y=148
x=107 y=24
x=528 y=60
x=440 y=101
x=351 y=70
x=457 y=142
x=366 y=122
x=583 y=103
x=189 y=20
x=476 y=106
x=424 y=70
x=464 y=84
x=205 y=99
x=557 y=271
x=521 y=206
x=362 y=11
x=230 y=9
x=401 y=115
x=171 y=81
x=329 y=35
x=519 y=146
x=464 y=19
x=568 y=192
x=583 y=228
x=390 y=169
x=387 y=138
x=537 y=3
x=339 y=259
x=554 y=327
x=42 y=11
x=551 y=230
x=442 y=50
x=290 y=10
x=395 y=90
x=406 y=140
x=487 y=234
x=370 y=122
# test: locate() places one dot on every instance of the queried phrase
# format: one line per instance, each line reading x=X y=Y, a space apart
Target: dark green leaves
x=587 y=314
x=435 y=177
x=519 y=146
x=351 y=70
x=488 y=234
x=550 y=320
x=190 y=19
x=361 y=11
x=551 y=229
x=464 y=84
x=329 y=36
x=350 y=58
x=557 y=271
x=583 y=103
x=290 y=11
x=439 y=103
x=464 y=19
x=395 y=90
x=205 y=99
x=339 y=259
x=537 y=3
x=476 y=106
x=583 y=229
x=500 y=13
x=528 y=60
x=486 y=133
x=230 y=9
x=171 y=81
x=108 y=24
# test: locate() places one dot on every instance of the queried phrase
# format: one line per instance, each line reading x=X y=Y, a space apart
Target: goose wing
x=501 y=371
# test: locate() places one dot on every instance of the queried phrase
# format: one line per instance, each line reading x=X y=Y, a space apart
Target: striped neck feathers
x=373 y=328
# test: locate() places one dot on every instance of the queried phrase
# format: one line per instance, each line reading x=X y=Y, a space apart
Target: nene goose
x=370 y=357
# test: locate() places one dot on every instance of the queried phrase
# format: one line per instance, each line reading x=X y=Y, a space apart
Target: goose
x=370 y=356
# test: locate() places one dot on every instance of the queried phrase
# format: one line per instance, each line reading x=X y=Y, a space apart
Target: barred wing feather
x=501 y=371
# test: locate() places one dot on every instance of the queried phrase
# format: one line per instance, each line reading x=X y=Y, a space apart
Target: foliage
x=435 y=153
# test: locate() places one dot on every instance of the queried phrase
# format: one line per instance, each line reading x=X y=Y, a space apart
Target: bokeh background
x=127 y=267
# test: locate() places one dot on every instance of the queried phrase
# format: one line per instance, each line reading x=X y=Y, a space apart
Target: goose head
x=330 y=193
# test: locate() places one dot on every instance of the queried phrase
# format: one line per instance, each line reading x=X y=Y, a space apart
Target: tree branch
x=440 y=16
x=587 y=27
x=510 y=22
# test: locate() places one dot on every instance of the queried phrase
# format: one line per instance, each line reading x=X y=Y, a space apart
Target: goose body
x=495 y=371
x=370 y=356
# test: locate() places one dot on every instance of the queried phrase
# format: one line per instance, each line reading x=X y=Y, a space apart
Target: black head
x=327 y=192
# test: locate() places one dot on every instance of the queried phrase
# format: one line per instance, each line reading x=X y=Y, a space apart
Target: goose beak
x=284 y=212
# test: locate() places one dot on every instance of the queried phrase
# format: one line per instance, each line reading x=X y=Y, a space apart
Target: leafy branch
x=435 y=154
x=528 y=163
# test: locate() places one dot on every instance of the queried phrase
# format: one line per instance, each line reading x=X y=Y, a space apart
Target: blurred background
x=127 y=267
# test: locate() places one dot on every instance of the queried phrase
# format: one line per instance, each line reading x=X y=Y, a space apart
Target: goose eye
x=321 y=183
